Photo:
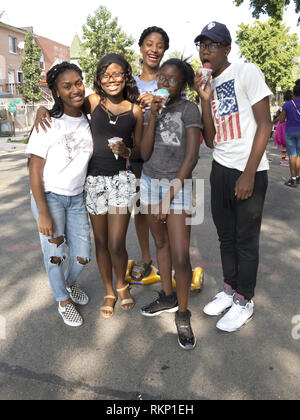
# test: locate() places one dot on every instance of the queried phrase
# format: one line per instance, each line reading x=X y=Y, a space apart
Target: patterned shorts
x=102 y=192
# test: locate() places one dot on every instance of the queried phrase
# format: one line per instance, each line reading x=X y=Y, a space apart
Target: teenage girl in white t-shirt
x=58 y=166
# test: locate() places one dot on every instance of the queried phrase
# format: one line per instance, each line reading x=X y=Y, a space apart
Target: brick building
x=11 y=56
x=52 y=53
x=12 y=53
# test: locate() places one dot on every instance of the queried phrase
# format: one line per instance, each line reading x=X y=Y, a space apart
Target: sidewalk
x=6 y=147
x=131 y=357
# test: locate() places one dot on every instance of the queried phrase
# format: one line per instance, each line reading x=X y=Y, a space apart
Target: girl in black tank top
x=103 y=161
x=109 y=186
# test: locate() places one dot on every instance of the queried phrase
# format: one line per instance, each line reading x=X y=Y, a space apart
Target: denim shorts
x=153 y=190
x=293 y=143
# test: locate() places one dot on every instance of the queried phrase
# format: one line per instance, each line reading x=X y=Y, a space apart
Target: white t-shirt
x=235 y=91
x=67 y=148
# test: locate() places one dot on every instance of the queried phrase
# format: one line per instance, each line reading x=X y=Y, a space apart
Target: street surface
x=131 y=357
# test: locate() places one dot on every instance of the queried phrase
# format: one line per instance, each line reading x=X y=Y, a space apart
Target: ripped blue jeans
x=72 y=226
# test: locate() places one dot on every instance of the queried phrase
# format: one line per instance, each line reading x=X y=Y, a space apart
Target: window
x=12 y=42
x=42 y=62
x=20 y=77
x=57 y=61
x=11 y=77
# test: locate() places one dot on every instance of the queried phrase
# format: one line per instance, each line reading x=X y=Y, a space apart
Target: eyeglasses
x=171 y=82
x=212 y=47
x=117 y=76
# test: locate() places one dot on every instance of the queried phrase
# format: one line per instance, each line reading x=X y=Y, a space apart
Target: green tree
x=273 y=8
x=32 y=73
x=195 y=63
x=272 y=49
x=102 y=36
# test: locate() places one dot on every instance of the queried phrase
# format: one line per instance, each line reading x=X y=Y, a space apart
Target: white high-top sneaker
x=238 y=315
x=219 y=304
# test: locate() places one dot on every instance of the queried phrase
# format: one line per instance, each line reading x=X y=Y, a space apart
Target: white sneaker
x=236 y=317
x=219 y=304
x=70 y=315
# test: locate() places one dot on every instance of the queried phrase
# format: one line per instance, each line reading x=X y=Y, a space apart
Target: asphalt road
x=134 y=358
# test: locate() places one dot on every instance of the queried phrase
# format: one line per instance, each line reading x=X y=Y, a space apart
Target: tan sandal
x=109 y=309
x=128 y=301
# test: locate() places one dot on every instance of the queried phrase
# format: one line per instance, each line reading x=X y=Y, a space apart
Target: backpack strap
x=296 y=108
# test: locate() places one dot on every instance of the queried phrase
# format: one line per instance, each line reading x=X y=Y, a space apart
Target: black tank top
x=103 y=162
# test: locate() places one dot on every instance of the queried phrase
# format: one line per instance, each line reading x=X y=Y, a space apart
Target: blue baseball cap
x=217 y=32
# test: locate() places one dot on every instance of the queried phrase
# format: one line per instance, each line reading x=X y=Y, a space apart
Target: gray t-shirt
x=170 y=139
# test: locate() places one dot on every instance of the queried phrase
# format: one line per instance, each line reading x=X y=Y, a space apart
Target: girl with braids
x=170 y=149
x=110 y=187
x=58 y=165
x=153 y=43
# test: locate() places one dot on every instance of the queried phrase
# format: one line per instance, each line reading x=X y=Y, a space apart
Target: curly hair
x=185 y=68
x=58 y=109
x=158 y=30
x=131 y=92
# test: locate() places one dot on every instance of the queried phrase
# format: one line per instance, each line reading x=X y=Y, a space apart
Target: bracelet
x=129 y=151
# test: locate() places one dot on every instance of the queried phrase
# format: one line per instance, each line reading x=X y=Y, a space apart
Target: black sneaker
x=291 y=183
x=298 y=180
x=186 y=338
x=162 y=304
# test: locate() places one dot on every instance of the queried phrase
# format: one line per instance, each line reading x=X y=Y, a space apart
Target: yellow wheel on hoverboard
x=197 y=280
x=153 y=277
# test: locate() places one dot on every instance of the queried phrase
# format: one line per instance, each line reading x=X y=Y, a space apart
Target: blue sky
x=183 y=20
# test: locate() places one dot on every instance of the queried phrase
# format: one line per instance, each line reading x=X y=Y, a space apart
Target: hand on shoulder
x=92 y=102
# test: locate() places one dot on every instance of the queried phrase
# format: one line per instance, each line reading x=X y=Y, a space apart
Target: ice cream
x=205 y=71
x=163 y=93
x=115 y=140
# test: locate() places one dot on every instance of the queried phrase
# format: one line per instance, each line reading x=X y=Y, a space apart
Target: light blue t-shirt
x=146 y=87
x=151 y=87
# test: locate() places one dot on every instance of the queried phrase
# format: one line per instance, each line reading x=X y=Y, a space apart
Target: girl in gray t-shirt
x=170 y=149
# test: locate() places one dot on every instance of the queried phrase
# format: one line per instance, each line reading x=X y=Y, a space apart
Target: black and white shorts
x=103 y=192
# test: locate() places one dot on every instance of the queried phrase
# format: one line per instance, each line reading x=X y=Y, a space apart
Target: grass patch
x=22 y=141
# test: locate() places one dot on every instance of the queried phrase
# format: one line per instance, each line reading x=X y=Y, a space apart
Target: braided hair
x=158 y=30
x=185 y=68
x=131 y=92
x=58 y=109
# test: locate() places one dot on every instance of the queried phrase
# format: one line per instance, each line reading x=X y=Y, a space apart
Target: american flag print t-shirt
x=226 y=112
x=234 y=92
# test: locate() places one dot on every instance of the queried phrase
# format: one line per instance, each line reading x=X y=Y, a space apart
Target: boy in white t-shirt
x=58 y=167
x=237 y=124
